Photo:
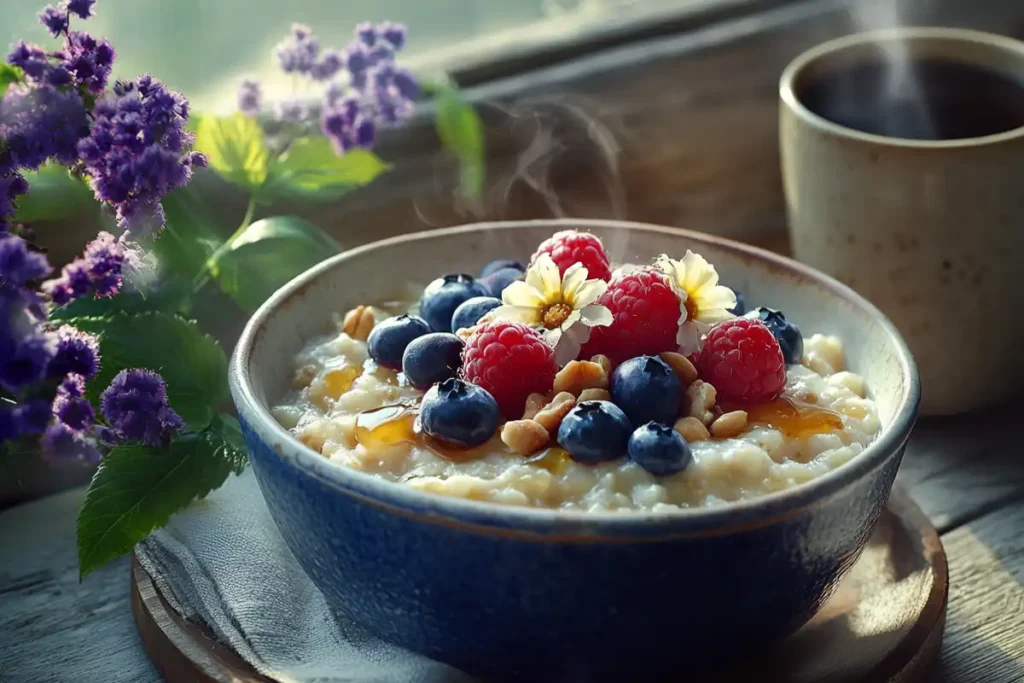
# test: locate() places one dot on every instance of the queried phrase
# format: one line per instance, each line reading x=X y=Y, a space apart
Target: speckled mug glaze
x=529 y=594
x=929 y=231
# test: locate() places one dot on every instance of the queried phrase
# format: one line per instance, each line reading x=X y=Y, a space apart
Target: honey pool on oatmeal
x=358 y=413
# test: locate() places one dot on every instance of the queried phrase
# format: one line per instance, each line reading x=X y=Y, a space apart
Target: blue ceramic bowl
x=530 y=594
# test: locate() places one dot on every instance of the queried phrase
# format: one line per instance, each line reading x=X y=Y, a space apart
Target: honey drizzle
x=795 y=419
x=399 y=423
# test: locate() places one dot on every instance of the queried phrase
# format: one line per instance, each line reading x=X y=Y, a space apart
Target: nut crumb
x=729 y=424
x=550 y=417
x=359 y=322
x=692 y=429
x=681 y=365
x=534 y=402
x=579 y=375
x=700 y=399
x=605 y=362
x=525 y=437
x=304 y=376
x=594 y=395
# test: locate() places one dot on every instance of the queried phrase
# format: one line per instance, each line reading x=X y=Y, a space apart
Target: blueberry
x=442 y=296
x=501 y=264
x=496 y=282
x=388 y=340
x=659 y=449
x=647 y=390
x=787 y=334
x=471 y=310
x=595 y=431
x=741 y=303
x=459 y=413
x=432 y=358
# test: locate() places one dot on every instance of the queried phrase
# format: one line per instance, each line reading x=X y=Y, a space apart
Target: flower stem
x=209 y=269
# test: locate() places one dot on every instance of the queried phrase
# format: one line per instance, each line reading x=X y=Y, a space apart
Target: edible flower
x=703 y=302
x=562 y=307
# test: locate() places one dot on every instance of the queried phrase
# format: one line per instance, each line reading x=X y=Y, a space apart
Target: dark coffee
x=925 y=99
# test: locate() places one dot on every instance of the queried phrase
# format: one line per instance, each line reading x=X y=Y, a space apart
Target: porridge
x=577 y=387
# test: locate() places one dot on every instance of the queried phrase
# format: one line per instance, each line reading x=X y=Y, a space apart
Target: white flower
x=704 y=301
x=562 y=307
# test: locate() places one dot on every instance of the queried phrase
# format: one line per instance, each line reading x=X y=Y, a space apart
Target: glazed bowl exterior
x=532 y=594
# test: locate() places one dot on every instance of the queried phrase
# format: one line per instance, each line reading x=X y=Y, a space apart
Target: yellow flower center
x=691 y=308
x=556 y=314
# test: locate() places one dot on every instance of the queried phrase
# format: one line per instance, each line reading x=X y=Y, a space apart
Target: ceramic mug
x=930 y=230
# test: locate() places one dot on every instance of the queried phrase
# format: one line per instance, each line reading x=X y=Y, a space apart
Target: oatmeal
x=542 y=401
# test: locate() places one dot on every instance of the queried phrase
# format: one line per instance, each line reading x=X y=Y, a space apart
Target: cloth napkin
x=223 y=562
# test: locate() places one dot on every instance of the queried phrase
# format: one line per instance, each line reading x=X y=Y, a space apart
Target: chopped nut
x=525 y=437
x=605 y=362
x=534 y=402
x=700 y=399
x=303 y=376
x=692 y=429
x=465 y=333
x=579 y=375
x=681 y=365
x=594 y=395
x=729 y=424
x=550 y=417
x=358 y=323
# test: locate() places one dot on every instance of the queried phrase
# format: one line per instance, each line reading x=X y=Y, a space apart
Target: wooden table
x=964 y=472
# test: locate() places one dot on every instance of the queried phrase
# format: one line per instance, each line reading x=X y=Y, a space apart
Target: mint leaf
x=462 y=134
x=190 y=236
x=267 y=255
x=235 y=148
x=136 y=490
x=193 y=364
x=172 y=294
x=8 y=76
x=55 y=194
x=311 y=169
x=225 y=434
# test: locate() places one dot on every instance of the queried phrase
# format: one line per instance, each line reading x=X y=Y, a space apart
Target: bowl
x=512 y=593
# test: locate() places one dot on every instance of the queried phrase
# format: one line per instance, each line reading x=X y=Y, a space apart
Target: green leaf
x=55 y=194
x=190 y=237
x=267 y=255
x=235 y=148
x=136 y=490
x=193 y=364
x=8 y=76
x=171 y=295
x=462 y=134
x=226 y=434
x=311 y=169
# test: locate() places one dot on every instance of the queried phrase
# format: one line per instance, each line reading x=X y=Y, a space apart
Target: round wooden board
x=883 y=625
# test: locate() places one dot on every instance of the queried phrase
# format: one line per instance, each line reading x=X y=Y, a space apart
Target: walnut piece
x=692 y=429
x=605 y=362
x=579 y=375
x=358 y=322
x=550 y=417
x=534 y=402
x=700 y=399
x=525 y=437
x=681 y=365
x=729 y=424
x=594 y=395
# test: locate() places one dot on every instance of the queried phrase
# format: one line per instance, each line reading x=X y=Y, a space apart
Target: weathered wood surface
x=962 y=471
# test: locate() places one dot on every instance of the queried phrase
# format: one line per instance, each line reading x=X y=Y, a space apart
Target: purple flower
x=405 y=84
x=19 y=264
x=72 y=284
x=329 y=65
x=12 y=186
x=135 y=406
x=60 y=444
x=81 y=8
x=31 y=59
x=76 y=353
x=90 y=60
x=250 y=97
x=71 y=408
x=42 y=123
x=298 y=52
x=393 y=33
x=291 y=110
x=135 y=152
x=366 y=33
x=33 y=416
x=23 y=361
x=100 y=268
x=54 y=19
x=8 y=423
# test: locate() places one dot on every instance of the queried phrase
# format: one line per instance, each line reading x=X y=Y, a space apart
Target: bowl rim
x=484 y=516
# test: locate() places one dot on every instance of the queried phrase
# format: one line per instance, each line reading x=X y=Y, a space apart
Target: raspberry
x=511 y=361
x=646 y=317
x=743 y=361
x=569 y=246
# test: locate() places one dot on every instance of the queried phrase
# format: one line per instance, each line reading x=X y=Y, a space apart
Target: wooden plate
x=883 y=625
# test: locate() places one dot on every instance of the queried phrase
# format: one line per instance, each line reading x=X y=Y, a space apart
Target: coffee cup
x=903 y=166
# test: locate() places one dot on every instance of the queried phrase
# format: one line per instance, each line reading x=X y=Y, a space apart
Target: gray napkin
x=223 y=562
